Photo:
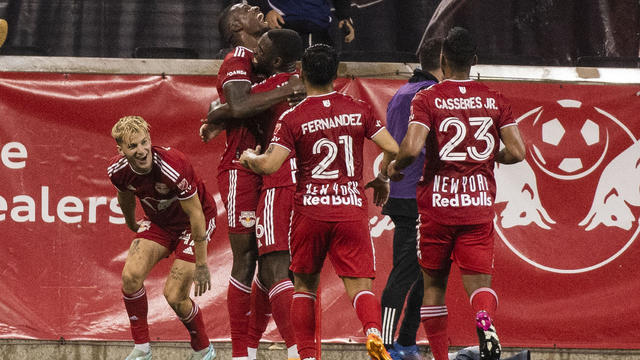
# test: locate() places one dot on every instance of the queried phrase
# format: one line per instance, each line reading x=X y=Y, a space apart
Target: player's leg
x=259 y=316
x=176 y=292
x=274 y=274
x=403 y=274
x=240 y=192
x=436 y=244
x=474 y=254
x=143 y=255
x=308 y=251
x=273 y=229
x=405 y=345
x=352 y=255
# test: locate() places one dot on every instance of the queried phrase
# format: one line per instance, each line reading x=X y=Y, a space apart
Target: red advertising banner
x=567 y=217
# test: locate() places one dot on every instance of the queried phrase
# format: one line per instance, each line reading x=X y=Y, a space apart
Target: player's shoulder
x=117 y=165
x=172 y=162
x=239 y=52
x=353 y=102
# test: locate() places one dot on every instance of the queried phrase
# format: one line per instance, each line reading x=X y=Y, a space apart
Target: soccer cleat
x=208 y=353
x=376 y=348
x=138 y=354
x=490 y=348
x=404 y=352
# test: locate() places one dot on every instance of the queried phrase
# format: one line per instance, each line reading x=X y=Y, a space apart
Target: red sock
x=280 y=297
x=367 y=307
x=260 y=314
x=303 y=320
x=197 y=331
x=137 y=308
x=434 y=321
x=485 y=299
x=238 y=304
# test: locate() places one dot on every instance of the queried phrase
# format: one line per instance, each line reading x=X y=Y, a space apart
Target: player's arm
x=242 y=103
x=193 y=209
x=380 y=184
x=514 y=150
x=267 y=163
x=409 y=150
x=127 y=202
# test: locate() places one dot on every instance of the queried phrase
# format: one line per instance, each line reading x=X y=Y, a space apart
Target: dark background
x=518 y=32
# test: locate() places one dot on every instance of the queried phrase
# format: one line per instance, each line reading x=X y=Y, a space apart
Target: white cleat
x=138 y=354
x=208 y=353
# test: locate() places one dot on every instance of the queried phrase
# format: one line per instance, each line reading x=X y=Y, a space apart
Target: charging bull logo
x=572 y=206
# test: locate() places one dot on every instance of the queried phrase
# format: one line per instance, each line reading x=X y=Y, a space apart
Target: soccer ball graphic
x=570 y=140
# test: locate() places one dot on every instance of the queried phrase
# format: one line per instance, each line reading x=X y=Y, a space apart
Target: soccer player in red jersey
x=179 y=218
x=275 y=55
x=461 y=122
x=327 y=132
x=241 y=25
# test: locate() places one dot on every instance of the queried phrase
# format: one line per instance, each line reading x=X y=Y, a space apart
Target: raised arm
x=514 y=150
x=201 y=277
x=409 y=149
x=127 y=202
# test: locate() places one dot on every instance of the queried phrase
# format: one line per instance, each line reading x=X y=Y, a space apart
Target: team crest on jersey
x=162 y=188
x=131 y=187
x=573 y=204
x=463 y=90
x=184 y=185
x=277 y=128
x=248 y=218
x=326 y=103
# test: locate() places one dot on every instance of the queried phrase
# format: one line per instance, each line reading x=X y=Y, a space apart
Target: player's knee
x=131 y=281
x=174 y=298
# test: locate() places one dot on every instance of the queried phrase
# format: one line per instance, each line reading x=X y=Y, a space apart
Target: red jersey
x=286 y=175
x=464 y=119
x=171 y=179
x=241 y=133
x=327 y=133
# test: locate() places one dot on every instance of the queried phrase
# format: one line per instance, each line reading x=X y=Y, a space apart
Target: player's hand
x=274 y=20
x=209 y=131
x=346 y=26
x=201 y=280
x=380 y=191
x=298 y=91
x=249 y=154
x=393 y=173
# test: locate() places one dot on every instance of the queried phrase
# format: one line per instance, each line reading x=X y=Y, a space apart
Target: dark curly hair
x=320 y=64
x=459 y=47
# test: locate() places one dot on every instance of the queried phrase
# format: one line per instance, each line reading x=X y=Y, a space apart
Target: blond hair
x=127 y=127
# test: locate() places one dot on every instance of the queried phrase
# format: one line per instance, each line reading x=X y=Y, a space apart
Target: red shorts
x=178 y=242
x=470 y=246
x=273 y=219
x=348 y=244
x=240 y=191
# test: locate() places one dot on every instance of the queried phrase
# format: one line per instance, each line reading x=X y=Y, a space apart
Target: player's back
x=327 y=133
x=464 y=120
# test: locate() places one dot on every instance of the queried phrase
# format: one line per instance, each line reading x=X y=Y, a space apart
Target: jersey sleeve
x=506 y=117
x=419 y=111
x=179 y=173
x=235 y=67
x=114 y=172
x=372 y=125
x=282 y=134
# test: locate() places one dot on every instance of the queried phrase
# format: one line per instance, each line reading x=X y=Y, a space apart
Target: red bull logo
x=572 y=206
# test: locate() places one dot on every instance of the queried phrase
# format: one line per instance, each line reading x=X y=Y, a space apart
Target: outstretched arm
x=514 y=150
x=409 y=149
x=267 y=163
x=201 y=276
